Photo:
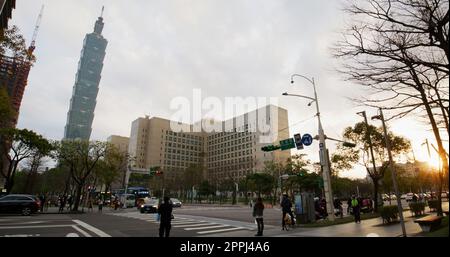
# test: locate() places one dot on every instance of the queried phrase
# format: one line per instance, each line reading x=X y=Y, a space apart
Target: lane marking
x=81 y=231
x=91 y=228
x=195 y=225
x=38 y=226
x=184 y=222
x=200 y=228
x=220 y=230
x=72 y=235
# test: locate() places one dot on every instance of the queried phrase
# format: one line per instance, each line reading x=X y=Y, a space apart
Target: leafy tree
x=81 y=157
x=24 y=144
x=14 y=43
x=358 y=135
x=262 y=183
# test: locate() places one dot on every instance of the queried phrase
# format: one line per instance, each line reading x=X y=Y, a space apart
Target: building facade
x=87 y=80
x=121 y=143
x=231 y=151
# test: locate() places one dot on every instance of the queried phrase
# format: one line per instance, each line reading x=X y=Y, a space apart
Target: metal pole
x=326 y=168
x=394 y=175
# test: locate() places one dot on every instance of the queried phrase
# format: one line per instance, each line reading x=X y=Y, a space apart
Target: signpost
x=287 y=144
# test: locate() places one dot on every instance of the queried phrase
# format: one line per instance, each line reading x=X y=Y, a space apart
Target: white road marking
x=184 y=222
x=38 y=226
x=220 y=230
x=195 y=225
x=81 y=231
x=91 y=228
x=200 y=228
x=72 y=235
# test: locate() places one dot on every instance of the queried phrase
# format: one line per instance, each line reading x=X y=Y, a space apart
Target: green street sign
x=287 y=144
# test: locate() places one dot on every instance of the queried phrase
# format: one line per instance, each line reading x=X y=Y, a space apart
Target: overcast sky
x=161 y=49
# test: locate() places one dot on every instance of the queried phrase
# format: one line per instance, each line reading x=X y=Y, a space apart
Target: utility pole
x=394 y=174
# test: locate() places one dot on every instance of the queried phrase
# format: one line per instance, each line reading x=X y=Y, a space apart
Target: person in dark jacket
x=286 y=206
x=258 y=210
x=165 y=212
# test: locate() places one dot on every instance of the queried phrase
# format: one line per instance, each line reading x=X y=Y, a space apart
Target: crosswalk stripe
x=195 y=225
x=219 y=230
x=184 y=222
x=200 y=228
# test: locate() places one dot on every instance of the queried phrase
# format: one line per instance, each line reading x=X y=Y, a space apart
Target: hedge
x=417 y=208
x=389 y=213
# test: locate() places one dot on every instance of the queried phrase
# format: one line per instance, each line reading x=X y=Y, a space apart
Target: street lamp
x=394 y=175
x=322 y=147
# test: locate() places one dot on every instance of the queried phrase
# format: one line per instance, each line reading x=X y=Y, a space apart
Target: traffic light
x=348 y=144
x=270 y=148
x=298 y=141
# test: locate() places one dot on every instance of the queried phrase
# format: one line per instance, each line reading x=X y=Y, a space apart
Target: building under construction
x=14 y=70
x=14 y=76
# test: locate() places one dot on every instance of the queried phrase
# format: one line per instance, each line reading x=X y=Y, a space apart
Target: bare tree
x=399 y=50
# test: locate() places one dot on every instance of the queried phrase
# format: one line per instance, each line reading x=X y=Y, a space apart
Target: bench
x=429 y=223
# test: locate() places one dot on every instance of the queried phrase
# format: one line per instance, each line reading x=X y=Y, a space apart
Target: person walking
x=286 y=206
x=62 y=204
x=165 y=212
x=258 y=210
x=42 y=200
x=100 y=205
x=356 y=210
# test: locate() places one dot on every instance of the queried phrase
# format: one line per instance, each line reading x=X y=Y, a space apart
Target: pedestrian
x=62 y=204
x=165 y=212
x=42 y=199
x=100 y=205
x=338 y=206
x=356 y=210
x=286 y=206
x=70 y=202
x=258 y=210
x=90 y=206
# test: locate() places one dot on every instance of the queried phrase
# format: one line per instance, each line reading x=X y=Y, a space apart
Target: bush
x=433 y=204
x=389 y=213
x=417 y=208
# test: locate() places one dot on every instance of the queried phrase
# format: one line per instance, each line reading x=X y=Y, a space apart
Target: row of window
x=230 y=155
x=181 y=157
x=183 y=146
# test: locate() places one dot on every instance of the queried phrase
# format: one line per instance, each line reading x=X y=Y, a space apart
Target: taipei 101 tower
x=87 y=80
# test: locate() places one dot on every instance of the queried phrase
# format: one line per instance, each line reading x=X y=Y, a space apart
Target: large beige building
x=232 y=149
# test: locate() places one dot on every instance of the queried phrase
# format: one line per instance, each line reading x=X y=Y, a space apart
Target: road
x=190 y=221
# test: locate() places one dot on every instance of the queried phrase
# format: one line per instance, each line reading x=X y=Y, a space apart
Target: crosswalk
x=199 y=226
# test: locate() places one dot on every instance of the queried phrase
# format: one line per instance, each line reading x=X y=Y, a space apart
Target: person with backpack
x=356 y=209
x=258 y=210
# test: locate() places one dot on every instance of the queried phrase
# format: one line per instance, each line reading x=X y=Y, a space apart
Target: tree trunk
x=375 y=193
x=77 y=197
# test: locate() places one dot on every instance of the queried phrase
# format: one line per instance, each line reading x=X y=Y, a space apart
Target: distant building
x=121 y=143
x=234 y=152
x=87 y=80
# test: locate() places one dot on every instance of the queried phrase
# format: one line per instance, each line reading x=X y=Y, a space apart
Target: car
x=385 y=197
x=403 y=197
x=150 y=207
x=20 y=203
x=175 y=202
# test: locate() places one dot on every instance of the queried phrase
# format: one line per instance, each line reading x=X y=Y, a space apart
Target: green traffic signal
x=270 y=148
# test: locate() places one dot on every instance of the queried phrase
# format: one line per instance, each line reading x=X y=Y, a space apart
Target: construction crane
x=36 y=30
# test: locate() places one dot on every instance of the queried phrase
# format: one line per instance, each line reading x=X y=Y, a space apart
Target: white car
x=410 y=196
x=403 y=196
x=393 y=197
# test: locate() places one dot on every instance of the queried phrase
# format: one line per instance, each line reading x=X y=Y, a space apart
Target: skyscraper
x=87 y=80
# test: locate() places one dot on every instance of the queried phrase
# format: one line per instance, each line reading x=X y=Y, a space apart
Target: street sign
x=287 y=144
x=298 y=141
x=321 y=145
x=307 y=139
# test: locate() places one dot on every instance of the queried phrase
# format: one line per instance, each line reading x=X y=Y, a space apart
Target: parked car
x=150 y=207
x=385 y=197
x=175 y=202
x=24 y=204
x=393 y=197
x=403 y=197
